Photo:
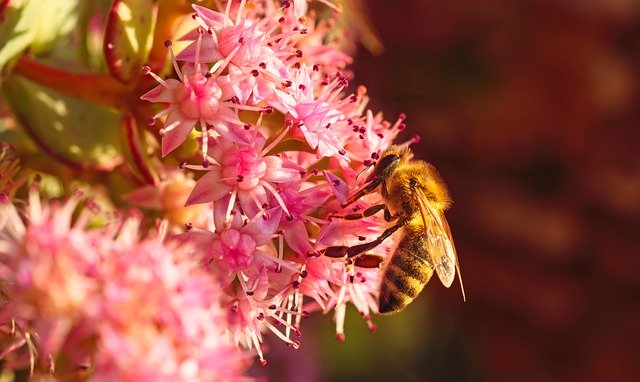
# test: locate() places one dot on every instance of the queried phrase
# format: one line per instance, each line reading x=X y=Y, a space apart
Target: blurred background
x=530 y=109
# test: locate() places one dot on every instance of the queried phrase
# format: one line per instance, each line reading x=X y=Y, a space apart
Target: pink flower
x=255 y=54
x=235 y=248
x=85 y=295
x=374 y=136
x=245 y=173
x=173 y=331
x=47 y=269
x=260 y=285
x=301 y=199
x=195 y=98
x=317 y=117
x=319 y=49
x=248 y=42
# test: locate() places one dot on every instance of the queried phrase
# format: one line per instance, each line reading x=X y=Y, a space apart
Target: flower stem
x=98 y=88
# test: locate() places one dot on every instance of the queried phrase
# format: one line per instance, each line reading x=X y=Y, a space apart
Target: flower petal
x=339 y=186
x=298 y=239
x=263 y=226
x=178 y=134
x=209 y=188
x=208 y=51
x=277 y=171
x=162 y=93
x=216 y=20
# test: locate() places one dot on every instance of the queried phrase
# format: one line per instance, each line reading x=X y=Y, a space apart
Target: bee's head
x=387 y=162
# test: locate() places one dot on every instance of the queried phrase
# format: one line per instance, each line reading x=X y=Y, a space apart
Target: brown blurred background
x=530 y=109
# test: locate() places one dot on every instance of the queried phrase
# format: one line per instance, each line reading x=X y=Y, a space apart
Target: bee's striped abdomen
x=405 y=275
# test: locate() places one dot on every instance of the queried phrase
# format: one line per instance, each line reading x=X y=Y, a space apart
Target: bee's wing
x=439 y=240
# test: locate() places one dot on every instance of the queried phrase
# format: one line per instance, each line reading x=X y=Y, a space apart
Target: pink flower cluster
x=263 y=90
x=105 y=304
x=262 y=87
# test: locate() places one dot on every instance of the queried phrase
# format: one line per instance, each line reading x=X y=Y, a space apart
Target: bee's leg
x=388 y=216
x=374 y=182
x=368 y=260
x=345 y=251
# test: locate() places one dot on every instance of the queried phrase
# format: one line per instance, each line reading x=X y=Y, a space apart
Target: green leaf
x=35 y=25
x=128 y=37
x=75 y=132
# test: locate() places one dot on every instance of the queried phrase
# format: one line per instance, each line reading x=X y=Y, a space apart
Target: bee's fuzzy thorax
x=401 y=183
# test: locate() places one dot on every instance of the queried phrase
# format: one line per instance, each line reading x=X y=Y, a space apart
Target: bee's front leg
x=348 y=252
x=388 y=216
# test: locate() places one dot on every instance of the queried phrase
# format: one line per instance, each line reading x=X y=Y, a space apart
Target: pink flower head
x=173 y=331
x=283 y=146
x=301 y=199
x=47 y=270
x=246 y=173
x=259 y=283
x=84 y=294
x=235 y=248
x=315 y=112
x=195 y=98
x=255 y=54
x=320 y=51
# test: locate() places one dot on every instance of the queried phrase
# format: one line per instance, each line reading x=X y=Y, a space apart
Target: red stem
x=97 y=88
x=3 y=6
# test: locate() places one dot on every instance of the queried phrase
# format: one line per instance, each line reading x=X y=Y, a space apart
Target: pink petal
x=263 y=89
x=339 y=186
x=208 y=51
x=232 y=131
x=200 y=238
x=309 y=136
x=298 y=239
x=220 y=213
x=216 y=20
x=209 y=188
x=145 y=197
x=262 y=229
x=328 y=144
x=162 y=93
x=277 y=173
x=246 y=201
x=288 y=102
x=346 y=232
x=178 y=134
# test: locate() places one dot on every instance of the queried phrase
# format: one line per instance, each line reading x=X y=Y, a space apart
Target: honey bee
x=415 y=198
